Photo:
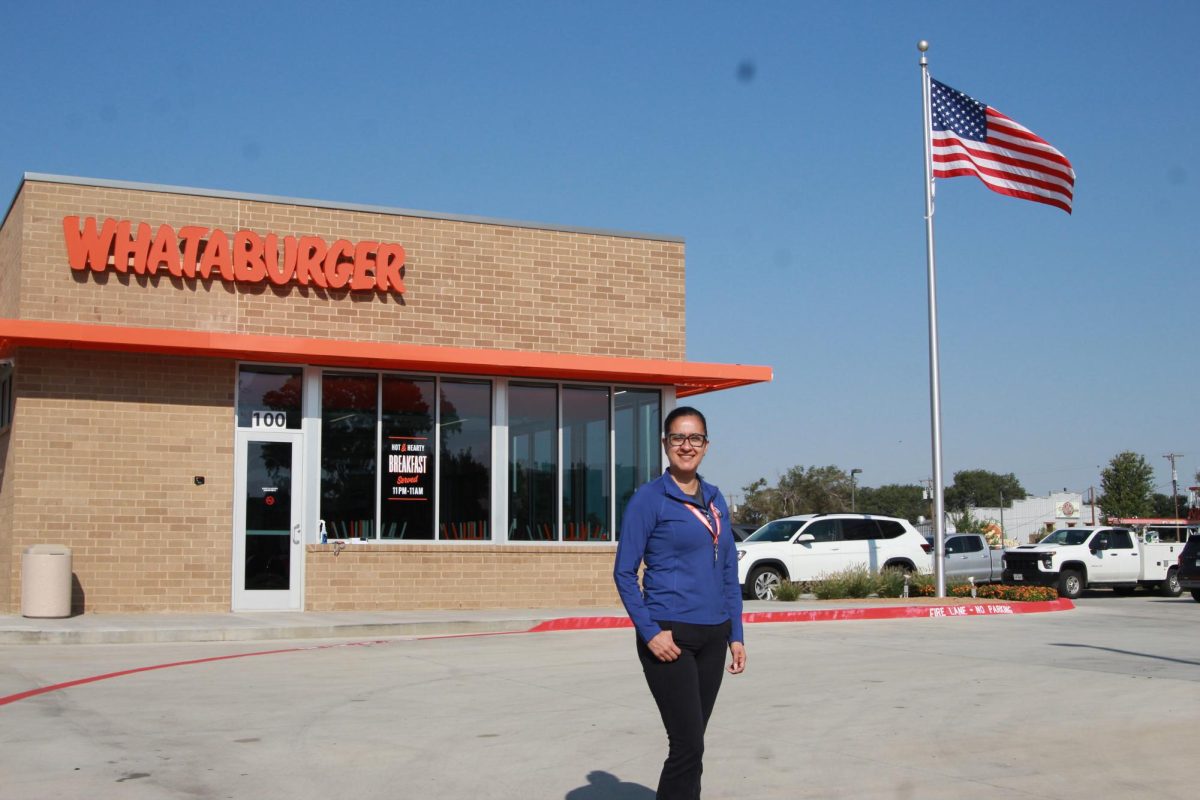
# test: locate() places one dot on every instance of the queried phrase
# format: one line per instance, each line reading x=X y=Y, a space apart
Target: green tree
x=979 y=487
x=1163 y=505
x=758 y=505
x=800 y=490
x=894 y=500
x=1127 y=486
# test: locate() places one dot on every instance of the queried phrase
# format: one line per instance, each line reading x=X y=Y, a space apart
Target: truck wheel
x=1170 y=587
x=1070 y=584
x=1196 y=595
x=763 y=582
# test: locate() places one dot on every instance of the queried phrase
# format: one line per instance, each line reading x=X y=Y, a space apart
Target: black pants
x=686 y=691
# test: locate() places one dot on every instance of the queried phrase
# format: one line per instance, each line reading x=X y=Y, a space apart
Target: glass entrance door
x=268 y=546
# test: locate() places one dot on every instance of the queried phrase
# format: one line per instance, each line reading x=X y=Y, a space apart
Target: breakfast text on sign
x=195 y=251
x=408 y=461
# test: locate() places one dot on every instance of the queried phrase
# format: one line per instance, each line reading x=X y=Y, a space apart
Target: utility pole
x=1174 y=481
x=1002 y=518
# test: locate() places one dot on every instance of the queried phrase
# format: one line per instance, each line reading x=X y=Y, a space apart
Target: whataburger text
x=198 y=252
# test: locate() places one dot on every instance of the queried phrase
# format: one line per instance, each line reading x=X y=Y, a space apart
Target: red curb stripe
x=12 y=698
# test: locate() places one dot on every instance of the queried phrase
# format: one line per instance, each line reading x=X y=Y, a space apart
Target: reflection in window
x=266 y=393
x=464 y=471
x=406 y=477
x=585 y=460
x=533 y=462
x=636 y=425
x=348 y=446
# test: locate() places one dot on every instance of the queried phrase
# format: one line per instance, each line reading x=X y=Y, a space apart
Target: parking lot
x=1100 y=701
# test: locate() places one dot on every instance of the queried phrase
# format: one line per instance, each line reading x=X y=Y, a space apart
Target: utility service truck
x=1074 y=559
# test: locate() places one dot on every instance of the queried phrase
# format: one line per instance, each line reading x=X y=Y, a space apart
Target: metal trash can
x=46 y=581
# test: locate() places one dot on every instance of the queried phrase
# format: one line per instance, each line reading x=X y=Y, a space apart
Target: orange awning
x=688 y=378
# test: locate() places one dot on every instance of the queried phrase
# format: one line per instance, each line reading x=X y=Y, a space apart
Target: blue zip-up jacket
x=682 y=581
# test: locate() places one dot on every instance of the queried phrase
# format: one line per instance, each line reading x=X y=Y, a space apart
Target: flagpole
x=935 y=392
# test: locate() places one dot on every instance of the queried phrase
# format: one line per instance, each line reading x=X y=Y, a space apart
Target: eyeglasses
x=694 y=439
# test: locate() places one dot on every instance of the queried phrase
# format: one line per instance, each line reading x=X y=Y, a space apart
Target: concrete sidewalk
x=254 y=626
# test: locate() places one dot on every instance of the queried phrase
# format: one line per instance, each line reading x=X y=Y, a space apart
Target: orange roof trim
x=688 y=378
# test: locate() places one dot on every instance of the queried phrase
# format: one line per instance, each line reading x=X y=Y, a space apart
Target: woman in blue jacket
x=689 y=606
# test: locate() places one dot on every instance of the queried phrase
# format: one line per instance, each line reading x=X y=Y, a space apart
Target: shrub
x=891 y=583
x=850 y=582
x=789 y=591
x=996 y=591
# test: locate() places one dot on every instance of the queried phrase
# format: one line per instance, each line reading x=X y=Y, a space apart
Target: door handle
x=296 y=533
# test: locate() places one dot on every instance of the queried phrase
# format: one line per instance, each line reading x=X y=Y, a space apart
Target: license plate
x=1017 y=576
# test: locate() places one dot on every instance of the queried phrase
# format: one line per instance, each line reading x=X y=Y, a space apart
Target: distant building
x=1033 y=515
x=1036 y=514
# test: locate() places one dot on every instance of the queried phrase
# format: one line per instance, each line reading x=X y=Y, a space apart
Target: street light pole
x=853 y=502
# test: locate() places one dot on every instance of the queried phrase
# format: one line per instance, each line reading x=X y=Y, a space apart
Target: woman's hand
x=663 y=646
x=738 y=651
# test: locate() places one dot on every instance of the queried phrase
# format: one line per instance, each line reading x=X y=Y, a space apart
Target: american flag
x=971 y=138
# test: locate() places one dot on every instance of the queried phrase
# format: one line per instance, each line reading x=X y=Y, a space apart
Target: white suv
x=805 y=547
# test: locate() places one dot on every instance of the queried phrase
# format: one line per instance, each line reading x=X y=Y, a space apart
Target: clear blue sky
x=781 y=140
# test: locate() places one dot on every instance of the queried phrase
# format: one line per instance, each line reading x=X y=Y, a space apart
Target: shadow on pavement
x=1125 y=652
x=606 y=786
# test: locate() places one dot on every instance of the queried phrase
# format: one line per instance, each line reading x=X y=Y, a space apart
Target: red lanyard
x=716 y=519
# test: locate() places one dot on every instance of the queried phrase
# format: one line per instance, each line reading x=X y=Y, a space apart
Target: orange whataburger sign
x=207 y=253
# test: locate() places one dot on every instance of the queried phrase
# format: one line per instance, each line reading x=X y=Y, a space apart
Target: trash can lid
x=48 y=550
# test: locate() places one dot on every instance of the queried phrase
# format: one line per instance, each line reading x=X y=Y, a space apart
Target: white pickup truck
x=1074 y=559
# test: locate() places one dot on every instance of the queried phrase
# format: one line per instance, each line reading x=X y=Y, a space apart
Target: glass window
x=585 y=463
x=860 y=530
x=776 y=531
x=6 y=395
x=1121 y=540
x=268 y=515
x=824 y=530
x=956 y=545
x=637 y=420
x=269 y=397
x=406 y=477
x=532 y=462
x=890 y=529
x=348 y=449
x=464 y=471
x=972 y=544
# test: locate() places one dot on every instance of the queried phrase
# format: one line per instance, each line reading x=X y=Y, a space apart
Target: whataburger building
x=228 y=401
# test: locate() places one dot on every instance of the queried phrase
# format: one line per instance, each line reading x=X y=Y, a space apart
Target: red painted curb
x=983 y=608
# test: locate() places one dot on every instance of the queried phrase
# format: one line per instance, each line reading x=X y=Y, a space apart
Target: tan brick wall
x=467 y=284
x=104 y=447
x=402 y=577
x=10 y=259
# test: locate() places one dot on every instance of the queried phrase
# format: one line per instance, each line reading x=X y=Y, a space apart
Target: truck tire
x=1170 y=587
x=1196 y=595
x=1070 y=584
x=763 y=582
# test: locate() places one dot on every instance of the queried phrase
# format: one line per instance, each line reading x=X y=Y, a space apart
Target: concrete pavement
x=1097 y=702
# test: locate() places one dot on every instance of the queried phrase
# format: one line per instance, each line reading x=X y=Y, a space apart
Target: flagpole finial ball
x=922 y=45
